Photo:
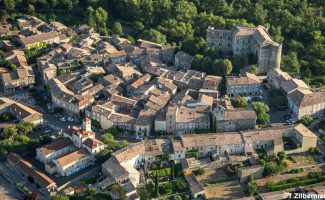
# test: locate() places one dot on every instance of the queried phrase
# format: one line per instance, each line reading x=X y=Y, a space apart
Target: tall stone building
x=247 y=41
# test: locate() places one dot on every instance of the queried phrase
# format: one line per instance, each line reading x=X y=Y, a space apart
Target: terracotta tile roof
x=39 y=38
x=28 y=169
x=73 y=157
x=56 y=145
x=93 y=143
x=250 y=79
x=239 y=114
x=123 y=100
x=79 y=132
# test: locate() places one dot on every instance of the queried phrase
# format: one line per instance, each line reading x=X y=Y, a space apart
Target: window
x=228 y=38
x=220 y=37
x=228 y=44
x=220 y=44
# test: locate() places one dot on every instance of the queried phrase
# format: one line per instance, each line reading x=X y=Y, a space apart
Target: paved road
x=8 y=191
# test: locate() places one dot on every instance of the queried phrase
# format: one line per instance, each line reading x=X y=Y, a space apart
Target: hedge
x=296 y=183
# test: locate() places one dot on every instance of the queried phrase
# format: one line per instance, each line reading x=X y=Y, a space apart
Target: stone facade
x=233 y=120
x=247 y=41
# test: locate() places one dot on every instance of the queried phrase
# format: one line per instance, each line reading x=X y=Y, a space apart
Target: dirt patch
x=300 y=160
x=213 y=173
x=224 y=191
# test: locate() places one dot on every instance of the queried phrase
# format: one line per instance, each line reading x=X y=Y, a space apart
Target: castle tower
x=86 y=124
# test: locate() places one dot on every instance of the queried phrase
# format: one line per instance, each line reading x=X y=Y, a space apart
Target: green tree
x=8 y=133
x=196 y=63
x=176 y=30
x=255 y=69
x=9 y=4
x=138 y=27
x=22 y=138
x=290 y=63
x=118 y=190
x=263 y=118
x=271 y=168
x=185 y=11
x=281 y=155
x=60 y=197
x=218 y=7
x=251 y=187
x=91 y=17
x=25 y=127
x=260 y=107
x=221 y=67
x=117 y=28
x=306 y=120
x=154 y=36
x=30 y=9
x=239 y=101
x=172 y=170
x=156 y=186
x=101 y=18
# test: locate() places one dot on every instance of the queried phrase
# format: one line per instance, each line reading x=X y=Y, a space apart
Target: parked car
x=63 y=119
x=70 y=119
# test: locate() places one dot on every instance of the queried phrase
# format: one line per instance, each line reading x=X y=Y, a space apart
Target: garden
x=167 y=181
x=312 y=178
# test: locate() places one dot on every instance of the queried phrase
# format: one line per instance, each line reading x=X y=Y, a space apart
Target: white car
x=70 y=119
x=62 y=119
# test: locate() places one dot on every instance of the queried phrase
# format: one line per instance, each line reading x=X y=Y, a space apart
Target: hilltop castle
x=247 y=41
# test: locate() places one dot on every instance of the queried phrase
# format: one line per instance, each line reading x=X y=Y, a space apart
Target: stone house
x=183 y=60
x=233 y=119
x=248 y=85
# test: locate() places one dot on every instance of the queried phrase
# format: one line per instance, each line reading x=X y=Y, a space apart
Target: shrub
x=306 y=120
x=251 y=187
x=239 y=101
x=161 y=172
x=314 y=150
x=199 y=171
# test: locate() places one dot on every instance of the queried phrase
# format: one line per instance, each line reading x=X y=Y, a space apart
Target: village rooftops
x=115 y=170
x=244 y=80
x=117 y=54
x=122 y=100
x=185 y=114
x=93 y=143
x=238 y=114
x=39 y=38
x=23 y=112
x=73 y=157
x=292 y=84
x=30 y=171
x=194 y=184
x=136 y=84
x=79 y=132
x=305 y=97
x=197 y=140
x=129 y=152
x=304 y=131
x=56 y=146
x=212 y=81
